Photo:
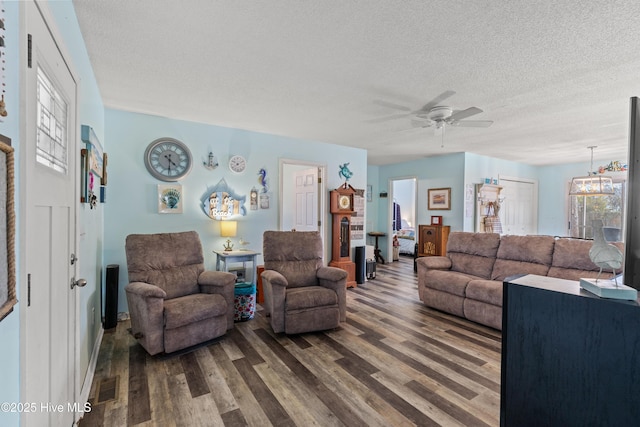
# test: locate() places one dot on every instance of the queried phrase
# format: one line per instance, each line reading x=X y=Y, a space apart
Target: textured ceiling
x=555 y=77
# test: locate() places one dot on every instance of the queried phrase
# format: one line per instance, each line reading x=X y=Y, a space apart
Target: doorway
x=519 y=210
x=402 y=218
x=49 y=368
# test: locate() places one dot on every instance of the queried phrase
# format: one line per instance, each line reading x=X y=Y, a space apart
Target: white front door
x=49 y=362
x=519 y=208
x=306 y=200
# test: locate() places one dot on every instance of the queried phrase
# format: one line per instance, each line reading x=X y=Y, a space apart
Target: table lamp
x=228 y=229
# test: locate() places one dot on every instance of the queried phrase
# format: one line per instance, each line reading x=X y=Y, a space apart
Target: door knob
x=79 y=283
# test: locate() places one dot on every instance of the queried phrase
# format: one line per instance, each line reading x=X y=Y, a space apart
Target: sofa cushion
x=192 y=308
x=295 y=255
x=473 y=253
x=176 y=272
x=310 y=297
x=488 y=291
x=523 y=255
x=571 y=259
x=451 y=282
x=573 y=254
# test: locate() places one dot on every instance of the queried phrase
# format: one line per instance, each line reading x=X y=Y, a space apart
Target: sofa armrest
x=336 y=279
x=223 y=283
x=145 y=290
x=146 y=308
x=274 y=286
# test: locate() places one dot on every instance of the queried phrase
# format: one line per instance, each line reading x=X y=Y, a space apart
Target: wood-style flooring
x=393 y=363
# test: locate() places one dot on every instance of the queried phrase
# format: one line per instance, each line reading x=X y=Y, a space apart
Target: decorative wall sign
x=221 y=202
x=170 y=198
x=254 y=199
x=357 y=218
x=94 y=150
x=7 y=232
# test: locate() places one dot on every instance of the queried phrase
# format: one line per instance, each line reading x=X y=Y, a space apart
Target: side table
x=376 y=250
x=224 y=258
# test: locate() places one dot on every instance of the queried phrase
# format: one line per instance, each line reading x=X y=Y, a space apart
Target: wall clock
x=168 y=159
x=237 y=164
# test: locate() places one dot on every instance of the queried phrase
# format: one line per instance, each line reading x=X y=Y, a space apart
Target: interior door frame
x=389 y=241
x=322 y=195
x=74 y=134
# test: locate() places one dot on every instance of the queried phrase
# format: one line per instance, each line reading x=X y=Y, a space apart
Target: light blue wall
x=431 y=172
x=10 y=325
x=553 y=211
x=459 y=169
x=132 y=193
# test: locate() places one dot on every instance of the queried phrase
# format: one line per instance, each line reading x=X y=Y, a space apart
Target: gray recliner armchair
x=301 y=294
x=173 y=302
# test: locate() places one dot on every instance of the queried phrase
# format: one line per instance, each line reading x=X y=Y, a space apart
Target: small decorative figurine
x=345 y=172
x=603 y=254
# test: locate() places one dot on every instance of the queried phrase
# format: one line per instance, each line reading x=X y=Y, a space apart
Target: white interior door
x=306 y=200
x=519 y=209
x=49 y=362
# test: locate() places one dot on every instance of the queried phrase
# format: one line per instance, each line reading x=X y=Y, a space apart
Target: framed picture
x=436 y=220
x=169 y=198
x=369 y=192
x=7 y=232
x=439 y=199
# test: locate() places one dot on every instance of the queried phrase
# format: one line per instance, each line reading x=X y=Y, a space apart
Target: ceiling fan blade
x=472 y=123
x=385 y=119
x=435 y=101
x=391 y=105
x=465 y=113
x=421 y=123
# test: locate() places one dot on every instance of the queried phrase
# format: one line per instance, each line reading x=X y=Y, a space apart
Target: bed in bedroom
x=407 y=240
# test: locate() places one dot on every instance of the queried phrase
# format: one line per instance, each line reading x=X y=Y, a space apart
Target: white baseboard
x=91 y=370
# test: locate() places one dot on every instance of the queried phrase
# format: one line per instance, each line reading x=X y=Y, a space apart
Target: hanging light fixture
x=592 y=184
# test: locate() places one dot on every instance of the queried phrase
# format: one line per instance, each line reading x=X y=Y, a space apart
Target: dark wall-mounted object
x=384 y=194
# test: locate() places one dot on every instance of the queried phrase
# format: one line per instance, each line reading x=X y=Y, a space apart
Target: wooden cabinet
x=432 y=240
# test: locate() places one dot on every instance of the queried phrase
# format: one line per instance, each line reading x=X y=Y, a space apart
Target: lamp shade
x=591 y=185
x=228 y=228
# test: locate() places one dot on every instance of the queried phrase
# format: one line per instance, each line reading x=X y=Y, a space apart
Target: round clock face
x=344 y=202
x=168 y=159
x=237 y=164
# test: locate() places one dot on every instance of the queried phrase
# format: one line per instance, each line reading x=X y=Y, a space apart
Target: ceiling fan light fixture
x=440 y=113
x=592 y=184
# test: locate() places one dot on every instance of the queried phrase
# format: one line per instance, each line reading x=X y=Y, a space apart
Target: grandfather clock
x=341 y=204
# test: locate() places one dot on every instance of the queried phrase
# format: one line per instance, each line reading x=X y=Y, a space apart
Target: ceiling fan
x=437 y=115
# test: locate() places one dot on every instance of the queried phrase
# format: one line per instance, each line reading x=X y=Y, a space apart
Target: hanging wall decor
x=263 y=181
x=221 y=202
x=170 y=198
x=92 y=166
x=7 y=231
x=254 y=199
x=211 y=163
